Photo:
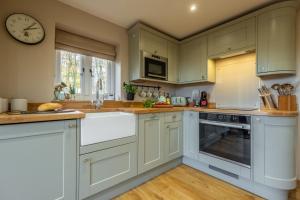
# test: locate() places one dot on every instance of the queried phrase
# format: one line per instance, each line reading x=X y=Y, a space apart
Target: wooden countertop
x=178 y=109
x=14 y=119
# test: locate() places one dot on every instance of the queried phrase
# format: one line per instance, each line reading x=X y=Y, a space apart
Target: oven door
x=230 y=142
x=155 y=68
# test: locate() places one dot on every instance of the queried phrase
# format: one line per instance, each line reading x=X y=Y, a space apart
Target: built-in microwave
x=154 y=66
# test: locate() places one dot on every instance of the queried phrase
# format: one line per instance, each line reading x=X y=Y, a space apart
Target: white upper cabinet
x=154 y=44
x=173 y=55
x=142 y=38
x=193 y=63
x=232 y=38
x=276 y=50
x=270 y=31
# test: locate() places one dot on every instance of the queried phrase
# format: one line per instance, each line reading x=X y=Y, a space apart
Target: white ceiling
x=170 y=16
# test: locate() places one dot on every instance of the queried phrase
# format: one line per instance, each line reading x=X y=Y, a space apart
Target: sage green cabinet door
x=103 y=169
x=191 y=134
x=274 y=151
x=276 y=51
x=154 y=44
x=232 y=38
x=38 y=161
x=173 y=54
x=173 y=141
x=151 y=142
x=193 y=60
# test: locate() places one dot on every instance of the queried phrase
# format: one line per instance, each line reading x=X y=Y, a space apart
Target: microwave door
x=155 y=69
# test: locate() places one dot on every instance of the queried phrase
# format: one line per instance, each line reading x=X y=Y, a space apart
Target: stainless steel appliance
x=226 y=136
x=155 y=67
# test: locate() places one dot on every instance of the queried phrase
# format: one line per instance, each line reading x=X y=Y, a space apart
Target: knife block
x=288 y=103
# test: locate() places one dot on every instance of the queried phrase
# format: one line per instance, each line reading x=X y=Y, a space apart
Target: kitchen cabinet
x=274 y=151
x=173 y=141
x=143 y=38
x=232 y=38
x=151 y=141
x=173 y=55
x=191 y=134
x=154 y=44
x=38 y=161
x=193 y=63
x=103 y=169
x=276 y=47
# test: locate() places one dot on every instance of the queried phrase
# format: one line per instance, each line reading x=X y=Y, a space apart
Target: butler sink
x=106 y=126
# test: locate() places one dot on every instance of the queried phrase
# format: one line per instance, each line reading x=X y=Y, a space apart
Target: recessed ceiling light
x=193 y=7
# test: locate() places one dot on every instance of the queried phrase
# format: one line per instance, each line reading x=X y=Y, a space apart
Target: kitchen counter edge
x=26 y=118
x=275 y=113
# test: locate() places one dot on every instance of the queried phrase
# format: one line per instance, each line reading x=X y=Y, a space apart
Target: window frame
x=86 y=77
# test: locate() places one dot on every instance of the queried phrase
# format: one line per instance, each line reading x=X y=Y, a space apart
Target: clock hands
x=29 y=27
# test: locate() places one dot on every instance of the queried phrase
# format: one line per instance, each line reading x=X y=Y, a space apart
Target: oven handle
x=242 y=126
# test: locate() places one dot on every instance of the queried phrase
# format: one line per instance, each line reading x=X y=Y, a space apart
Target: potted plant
x=130 y=90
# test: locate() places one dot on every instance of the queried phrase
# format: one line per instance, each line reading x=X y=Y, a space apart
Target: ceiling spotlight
x=193 y=7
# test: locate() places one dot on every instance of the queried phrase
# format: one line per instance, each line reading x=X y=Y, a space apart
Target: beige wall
x=28 y=71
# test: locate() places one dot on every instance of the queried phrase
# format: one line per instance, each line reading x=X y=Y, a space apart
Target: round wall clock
x=25 y=28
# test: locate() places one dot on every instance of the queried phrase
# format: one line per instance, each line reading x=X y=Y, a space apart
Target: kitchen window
x=81 y=62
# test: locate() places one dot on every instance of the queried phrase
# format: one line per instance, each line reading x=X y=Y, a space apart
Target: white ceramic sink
x=106 y=126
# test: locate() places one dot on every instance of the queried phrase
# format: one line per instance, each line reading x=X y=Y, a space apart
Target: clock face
x=25 y=28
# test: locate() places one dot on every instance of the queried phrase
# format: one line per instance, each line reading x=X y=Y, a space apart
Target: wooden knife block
x=288 y=103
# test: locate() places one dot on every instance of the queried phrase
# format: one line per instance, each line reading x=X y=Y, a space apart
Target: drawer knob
x=87 y=160
x=174 y=117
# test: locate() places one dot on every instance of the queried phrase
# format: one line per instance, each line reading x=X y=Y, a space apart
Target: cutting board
x=163 y=106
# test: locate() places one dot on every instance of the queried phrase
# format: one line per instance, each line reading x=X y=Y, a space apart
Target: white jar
x=1 y=109
x=4 y=105
x=18 y=105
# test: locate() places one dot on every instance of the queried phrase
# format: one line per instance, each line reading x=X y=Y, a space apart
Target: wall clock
x=25 y=28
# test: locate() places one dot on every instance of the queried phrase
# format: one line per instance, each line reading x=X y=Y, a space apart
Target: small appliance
x=154 y=66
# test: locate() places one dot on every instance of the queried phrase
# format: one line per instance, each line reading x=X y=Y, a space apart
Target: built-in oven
x=155 y=67
x=226 y=136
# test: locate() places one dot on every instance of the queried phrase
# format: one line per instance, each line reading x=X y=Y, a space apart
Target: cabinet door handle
x=168 y=126
x=87 y=160
x=72 y=125
x=174 y=116
x=229 y=48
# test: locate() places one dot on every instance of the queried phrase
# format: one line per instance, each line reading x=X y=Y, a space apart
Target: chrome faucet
x=99 y=97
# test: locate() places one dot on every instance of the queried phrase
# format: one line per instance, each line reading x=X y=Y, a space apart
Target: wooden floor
x=186 y=183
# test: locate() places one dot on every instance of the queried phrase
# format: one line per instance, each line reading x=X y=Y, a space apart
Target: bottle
x=203 y=100
x=168 y=99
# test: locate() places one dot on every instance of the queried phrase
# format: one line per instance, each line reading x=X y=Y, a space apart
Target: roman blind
x=79 y=44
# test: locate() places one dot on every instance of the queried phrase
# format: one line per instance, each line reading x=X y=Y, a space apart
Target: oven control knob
x=220 y=117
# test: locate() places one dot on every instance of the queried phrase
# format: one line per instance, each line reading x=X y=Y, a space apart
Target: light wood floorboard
x=186 y=183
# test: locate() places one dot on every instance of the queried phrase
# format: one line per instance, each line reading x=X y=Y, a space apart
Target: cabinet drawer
x=103 y=169
x=173 y=117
